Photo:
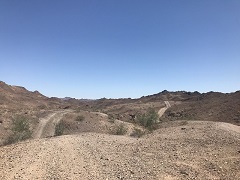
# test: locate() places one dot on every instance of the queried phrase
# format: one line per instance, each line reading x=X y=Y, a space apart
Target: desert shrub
x=20 y=130
x=119 y=129
x=137 y=133
x=111 y=118
x=59 y=128
x=149 y=119
x=80 y=118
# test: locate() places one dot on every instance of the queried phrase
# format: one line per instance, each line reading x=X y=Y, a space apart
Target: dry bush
x=119 y=129
x=149 y=119
x=20 y=130
x=80 y=118
x=59 y=129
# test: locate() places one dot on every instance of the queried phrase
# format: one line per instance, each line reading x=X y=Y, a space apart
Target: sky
x=114 y=49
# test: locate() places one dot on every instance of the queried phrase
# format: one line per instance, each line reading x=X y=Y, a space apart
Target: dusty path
x=46 y=126
x=197 y=150
x=162 y=110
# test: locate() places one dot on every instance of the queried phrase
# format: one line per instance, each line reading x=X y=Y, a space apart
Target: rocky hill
x=211 y=106
x=17 y=97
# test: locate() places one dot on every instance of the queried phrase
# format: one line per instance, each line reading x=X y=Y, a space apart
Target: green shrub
x=59 y=128
x=119 y=129
x=149 y=119
x=20 y=130
x=137 y=133
x=80 y=118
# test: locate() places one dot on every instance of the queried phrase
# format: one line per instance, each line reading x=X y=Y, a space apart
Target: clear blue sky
x=120 y=48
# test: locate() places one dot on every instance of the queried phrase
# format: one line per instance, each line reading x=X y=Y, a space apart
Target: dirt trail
x=162 y=110
x=46 y=126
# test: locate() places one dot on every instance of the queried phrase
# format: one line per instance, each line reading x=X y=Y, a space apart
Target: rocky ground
x=180 y=150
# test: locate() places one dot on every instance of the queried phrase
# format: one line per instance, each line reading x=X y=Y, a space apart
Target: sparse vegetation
x=149 y=119
x=137 y=132
x=119 y=129
x=80 y=118
x=20 y=130
x=59 y=129
x=111 y=118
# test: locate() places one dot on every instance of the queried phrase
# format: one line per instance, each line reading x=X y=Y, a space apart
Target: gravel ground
x=193 y=150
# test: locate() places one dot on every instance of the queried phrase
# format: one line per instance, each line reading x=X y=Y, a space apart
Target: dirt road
x=162 y=110
x=46 y=126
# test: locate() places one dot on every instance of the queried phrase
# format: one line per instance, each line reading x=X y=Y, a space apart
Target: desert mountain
x=211 y=106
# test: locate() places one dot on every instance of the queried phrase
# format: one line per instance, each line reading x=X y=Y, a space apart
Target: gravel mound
x=189 y=150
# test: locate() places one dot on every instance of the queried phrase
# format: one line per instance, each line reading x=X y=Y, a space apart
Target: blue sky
x=113 y=49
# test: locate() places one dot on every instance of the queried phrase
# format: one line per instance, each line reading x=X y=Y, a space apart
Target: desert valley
x=169 y=135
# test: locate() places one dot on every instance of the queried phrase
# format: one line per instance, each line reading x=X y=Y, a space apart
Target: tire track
x=46 y=126
x=162 y=110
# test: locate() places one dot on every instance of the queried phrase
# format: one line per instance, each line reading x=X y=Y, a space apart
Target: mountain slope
x=210 y=106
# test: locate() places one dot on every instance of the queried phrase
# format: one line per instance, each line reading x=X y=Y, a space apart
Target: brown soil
x=195 y=150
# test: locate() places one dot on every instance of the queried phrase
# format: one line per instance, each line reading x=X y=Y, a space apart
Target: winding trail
x=46 y=126
x=162 y=110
